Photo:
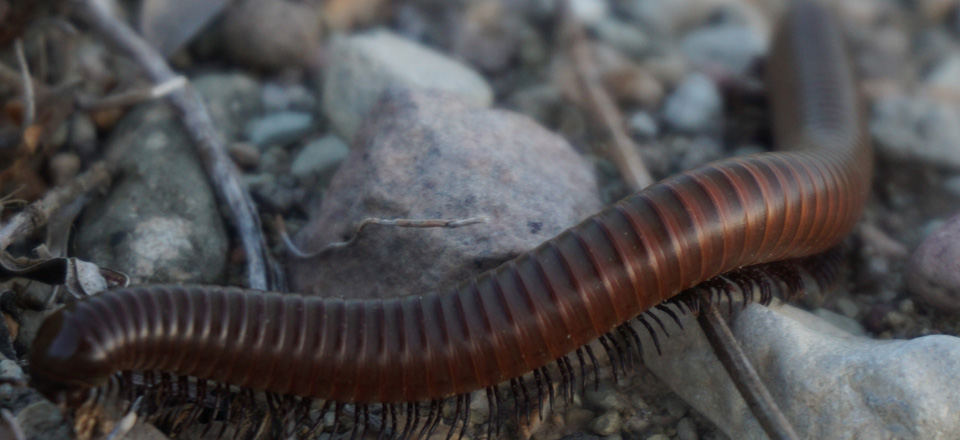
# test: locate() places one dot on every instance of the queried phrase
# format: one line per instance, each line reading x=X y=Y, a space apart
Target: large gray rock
x=361 y=67
x=828 y=383
x=431 y=155
x=159 y=222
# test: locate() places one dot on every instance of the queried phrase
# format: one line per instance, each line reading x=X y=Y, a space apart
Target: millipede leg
x=596 y=367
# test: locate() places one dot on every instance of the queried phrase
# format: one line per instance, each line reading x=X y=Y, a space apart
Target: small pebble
x=589 y=12
x=659 y=437
x=917 y=128
x=272 y=34
x=607 y=424
x=282 y=97
x=244 y=154
x=606 y=398
x=686 y=429
x=643 y=126
x=279 y=128
x=676 y=407
x=695 y=106
x=319 y=158
x=64 y=167
x=730 y=46
x=579 y=418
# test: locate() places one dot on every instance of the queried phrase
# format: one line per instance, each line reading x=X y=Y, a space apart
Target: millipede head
x=65 y=365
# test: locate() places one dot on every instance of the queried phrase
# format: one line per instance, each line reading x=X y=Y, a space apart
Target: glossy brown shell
x=530 y=311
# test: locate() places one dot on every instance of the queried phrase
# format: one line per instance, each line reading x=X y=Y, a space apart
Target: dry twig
x=399 y=222
x=262 y=272
x=37 y=213
x=624 y=151
x=135 y=96
x=744 y=376
x=29 y=102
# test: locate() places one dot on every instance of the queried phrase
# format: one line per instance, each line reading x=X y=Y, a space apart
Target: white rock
x=917 y=128
x=732 y=46
x=695 y=105
x=828 y=383
x=362 y=66
x=589 y=12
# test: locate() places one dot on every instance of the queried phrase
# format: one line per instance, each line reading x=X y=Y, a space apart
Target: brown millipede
x=532 y=311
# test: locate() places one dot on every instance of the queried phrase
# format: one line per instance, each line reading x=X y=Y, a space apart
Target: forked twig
x=262 y=272
x=38 y=212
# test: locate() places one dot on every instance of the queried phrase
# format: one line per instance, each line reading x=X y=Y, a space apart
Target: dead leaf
x=169 y=24
x=80 y=278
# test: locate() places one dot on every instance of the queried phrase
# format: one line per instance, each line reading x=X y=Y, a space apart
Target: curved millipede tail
x=389 y=366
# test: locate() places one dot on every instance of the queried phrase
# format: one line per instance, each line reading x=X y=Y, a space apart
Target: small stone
x=946 y=75
x=734 y=47
x=589 y=12
x=848 y=308
x=695 y=106
x=362 y=66
x=83 y=134
x=275 y=160
x=280 y=129
x=579 y=418
x=917 y=128
x=64 y=167
x=659 y=437
x=676 y=407
x=231 y=99
x=952 y=184
x=625 y=37
x=43 y=420
x=686 y=429
x=933 y=273
x=283 y=97
x=607 y=424
x=319 y=158
x=643 y=126
x=244 y=155
x=606 y=397
x=489 y=35
x=667 y=17
x=11 y=370
x=272 y=34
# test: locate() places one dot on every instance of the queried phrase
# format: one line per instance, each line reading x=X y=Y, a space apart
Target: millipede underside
x=190 y=408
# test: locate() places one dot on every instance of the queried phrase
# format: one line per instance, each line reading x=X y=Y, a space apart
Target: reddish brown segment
x=528 y=312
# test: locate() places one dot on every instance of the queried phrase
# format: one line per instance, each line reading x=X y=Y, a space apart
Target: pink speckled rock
x=430 y=155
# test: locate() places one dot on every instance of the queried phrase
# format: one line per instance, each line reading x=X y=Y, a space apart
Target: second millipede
x=532 y=311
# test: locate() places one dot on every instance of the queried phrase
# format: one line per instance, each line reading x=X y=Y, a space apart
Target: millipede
x=747 y=221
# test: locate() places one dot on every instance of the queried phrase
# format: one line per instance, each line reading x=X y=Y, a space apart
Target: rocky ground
x=482 y=117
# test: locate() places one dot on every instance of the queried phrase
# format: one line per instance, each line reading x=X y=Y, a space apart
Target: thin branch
x=29 y=101
x=262 y=272
x=135 y=96
x=37 y=213
x=741 y=371
x=625 y=153
x=399 y=222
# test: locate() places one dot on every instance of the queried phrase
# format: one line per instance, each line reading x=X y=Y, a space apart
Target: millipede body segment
x=529 y=312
